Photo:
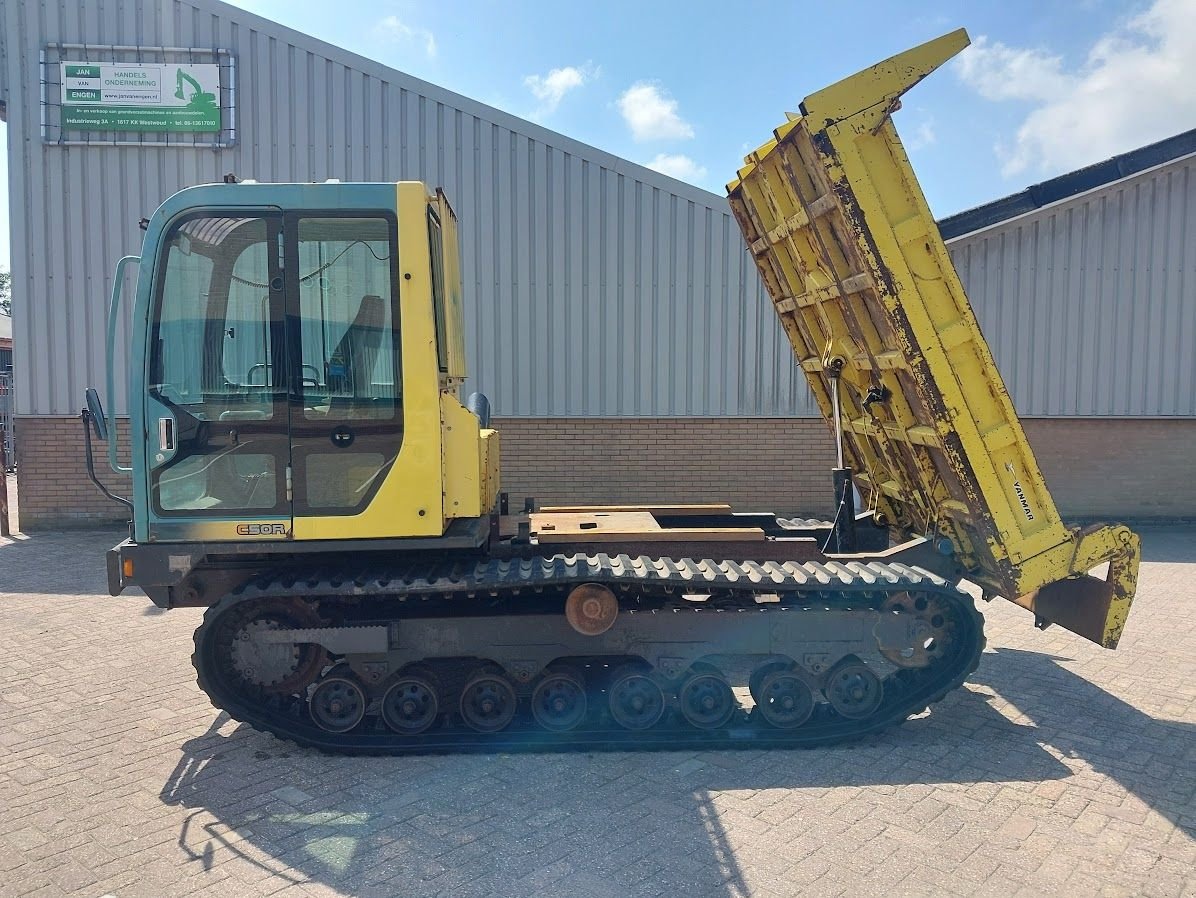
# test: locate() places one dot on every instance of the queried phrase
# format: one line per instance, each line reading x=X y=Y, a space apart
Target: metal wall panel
x=594 y=287
x=1090 y=304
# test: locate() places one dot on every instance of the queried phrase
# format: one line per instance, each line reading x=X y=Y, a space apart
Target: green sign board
x=124 y=97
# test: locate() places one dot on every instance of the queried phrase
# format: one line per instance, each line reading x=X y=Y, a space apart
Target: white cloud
x=998 y=72
x=923 y=136
x=675 y=165
x=550 y=89
x=651 y=114
x=1136 y=85
x=396 y=29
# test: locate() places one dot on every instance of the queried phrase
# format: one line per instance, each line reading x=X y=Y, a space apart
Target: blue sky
x=689 y=87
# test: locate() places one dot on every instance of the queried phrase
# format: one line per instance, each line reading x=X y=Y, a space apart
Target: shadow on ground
x=1165 y=543
x=596 y=824
x=1152 y=759
x=63 y=562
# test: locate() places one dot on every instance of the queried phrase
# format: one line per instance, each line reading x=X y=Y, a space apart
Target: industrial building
x=616 y=321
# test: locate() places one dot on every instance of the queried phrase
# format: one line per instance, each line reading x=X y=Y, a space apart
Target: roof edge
x=491 y=114
x=1063 y=187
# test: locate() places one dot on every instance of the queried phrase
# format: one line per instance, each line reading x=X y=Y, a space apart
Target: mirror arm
x=88 y=423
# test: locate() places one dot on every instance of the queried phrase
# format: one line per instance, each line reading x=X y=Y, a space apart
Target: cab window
x=213 y=347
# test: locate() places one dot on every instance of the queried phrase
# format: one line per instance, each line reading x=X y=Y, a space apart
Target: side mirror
x=95 y=410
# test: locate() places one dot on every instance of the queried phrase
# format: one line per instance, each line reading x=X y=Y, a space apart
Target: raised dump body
x=867 y=294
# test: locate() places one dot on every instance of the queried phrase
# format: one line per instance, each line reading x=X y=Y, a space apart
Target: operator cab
x=299 y=372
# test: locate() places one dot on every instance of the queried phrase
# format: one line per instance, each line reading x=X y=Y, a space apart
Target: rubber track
x=510 y=576
x=832 y=583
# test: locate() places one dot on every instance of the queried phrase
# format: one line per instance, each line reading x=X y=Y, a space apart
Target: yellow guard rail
x=866 y=292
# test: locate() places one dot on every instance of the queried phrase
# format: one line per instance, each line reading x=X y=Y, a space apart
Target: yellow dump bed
x=852 y=258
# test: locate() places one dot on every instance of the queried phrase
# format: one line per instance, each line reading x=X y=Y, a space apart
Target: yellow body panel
x=462 y=460
x=437 y=475
x=863 y=285
x=491 y=451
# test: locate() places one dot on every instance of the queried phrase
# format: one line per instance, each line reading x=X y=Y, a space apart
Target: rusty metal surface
x=595 y=526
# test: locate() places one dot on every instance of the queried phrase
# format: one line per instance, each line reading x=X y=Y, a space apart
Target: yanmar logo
x=261 y=529
x=1021 y=493
x=1021 y=497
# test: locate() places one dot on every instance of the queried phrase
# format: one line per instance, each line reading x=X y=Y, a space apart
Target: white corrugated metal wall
x=594 y=287
x=1090 y=304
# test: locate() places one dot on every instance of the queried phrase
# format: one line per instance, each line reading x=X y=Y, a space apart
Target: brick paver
x=1060 y=769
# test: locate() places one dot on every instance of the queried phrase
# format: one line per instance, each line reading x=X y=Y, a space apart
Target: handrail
x=110 y=380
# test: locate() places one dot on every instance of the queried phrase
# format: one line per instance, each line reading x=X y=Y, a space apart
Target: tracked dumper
x=304 y=470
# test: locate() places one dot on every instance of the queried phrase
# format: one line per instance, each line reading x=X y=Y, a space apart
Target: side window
x=349 y=341
x=436 y=251
x=211 y=353
x=247 y=358
x=180 y=353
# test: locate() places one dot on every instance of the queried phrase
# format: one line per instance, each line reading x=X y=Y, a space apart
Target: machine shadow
x=618 y=824
x=1173 y=544
x=1152 y=759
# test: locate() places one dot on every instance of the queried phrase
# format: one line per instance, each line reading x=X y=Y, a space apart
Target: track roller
x=853 y=689
x=768 y=666
x=410 y=704
x=635 y=698
x=488 y=701
x=559 y=700
x=706 y=699
x=785 y=701
x=337 y=704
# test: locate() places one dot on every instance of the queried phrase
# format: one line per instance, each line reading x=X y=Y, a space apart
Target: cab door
x=346 y=394
x=216 y=409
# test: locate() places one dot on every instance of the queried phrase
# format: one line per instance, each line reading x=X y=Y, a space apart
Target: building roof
x=5 y=327
x=1098 y=175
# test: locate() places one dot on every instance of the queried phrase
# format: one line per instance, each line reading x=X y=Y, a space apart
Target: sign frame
x=140 y=97
x=216 y=91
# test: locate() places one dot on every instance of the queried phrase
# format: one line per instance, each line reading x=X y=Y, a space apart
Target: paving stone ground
x=1060 y=769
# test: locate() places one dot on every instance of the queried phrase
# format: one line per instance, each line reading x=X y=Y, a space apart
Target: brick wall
x=1107 y=468
x=1096 y=468
x=52 y=475
x=762 y=464
x=1118 y=468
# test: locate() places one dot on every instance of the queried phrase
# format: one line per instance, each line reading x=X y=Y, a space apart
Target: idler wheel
x=854 y=690
x=636 y=699
x=488 y=702
x=559 y=701
x=706 y=699
x=785 y=700
x=337 y=704
x=591 y=609
x=410 y=705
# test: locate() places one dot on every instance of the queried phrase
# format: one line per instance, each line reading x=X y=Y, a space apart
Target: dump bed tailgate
x=867 y=294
